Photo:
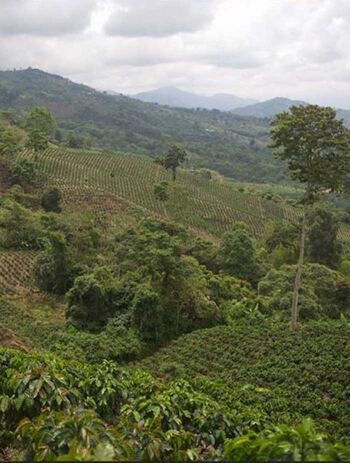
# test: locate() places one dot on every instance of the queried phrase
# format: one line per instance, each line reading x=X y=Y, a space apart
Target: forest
x=146 y=313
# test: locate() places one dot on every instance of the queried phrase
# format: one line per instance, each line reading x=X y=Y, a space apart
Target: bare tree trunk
x=174 y=173
x=297 y=282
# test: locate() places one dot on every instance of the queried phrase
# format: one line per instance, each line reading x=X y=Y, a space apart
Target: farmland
x=262 y=364
x=110 y=179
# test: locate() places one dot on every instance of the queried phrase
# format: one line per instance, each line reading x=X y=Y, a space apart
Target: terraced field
x=105 y=178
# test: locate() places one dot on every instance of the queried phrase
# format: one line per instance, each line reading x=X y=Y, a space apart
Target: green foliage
x=50 y=200
x=283 y=443
x=148 y=313
x=213 y=139
x=39 y=118
x=174 y=158
x=316 y=145
x=19 y=227
x=177 y=423
x=37 y=140
x=345 y=267
x=39 y=124
x=75 y=432
x=161 y=191
x=97 y=296
x=237 y=254
x=260 y=365
x=54 y=271
x=9 y=141
x=23 y=173
x=282 y=234
x=324 y=293
x=323 y=246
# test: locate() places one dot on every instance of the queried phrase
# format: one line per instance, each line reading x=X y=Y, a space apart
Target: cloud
x=160 y=18
x=255 y=48
x=44 y=17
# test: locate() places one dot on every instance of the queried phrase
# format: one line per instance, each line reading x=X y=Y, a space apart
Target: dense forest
x=146 y=314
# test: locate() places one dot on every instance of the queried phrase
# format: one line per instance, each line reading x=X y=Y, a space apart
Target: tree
x=37 y=140
x=50 y=200
x=237 y=254
x=148 y=313
x=316 y=146
x=53 y=270
x=40 y=119
x=39 y=124
x=9 y=141
x=23 y=173
x=323 y=246
x=175 y=157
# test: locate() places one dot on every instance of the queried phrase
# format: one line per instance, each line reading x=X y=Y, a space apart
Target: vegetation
x=107 y=267
x=317 y=147
x=213 y=139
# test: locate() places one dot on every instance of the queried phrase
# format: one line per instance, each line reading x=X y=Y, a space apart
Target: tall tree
x=316 y=146
x=237 y=254
x=39 y=124
x=174 y=158
x=9 y=141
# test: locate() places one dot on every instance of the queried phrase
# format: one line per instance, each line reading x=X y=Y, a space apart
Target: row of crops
x=197 y=202
x=16 y=269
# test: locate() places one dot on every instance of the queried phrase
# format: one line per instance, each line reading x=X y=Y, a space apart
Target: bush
x=324 y=292
x=50 y=200
x=283 y=443
x=160 y=191
x=54 y=271
x=23 y=173
x=20 y=227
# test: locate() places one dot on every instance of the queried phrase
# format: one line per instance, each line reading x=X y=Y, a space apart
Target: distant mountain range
x=172 y=96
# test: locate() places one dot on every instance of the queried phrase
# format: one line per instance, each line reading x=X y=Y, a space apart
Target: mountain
x=268 y=108
x=172 y=96
x=233 y=145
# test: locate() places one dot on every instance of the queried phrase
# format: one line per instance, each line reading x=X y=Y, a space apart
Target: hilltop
x=269 y=108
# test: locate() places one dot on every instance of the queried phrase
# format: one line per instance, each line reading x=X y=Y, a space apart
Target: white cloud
x=159 y=18
x=44 y=17
x=256 y=48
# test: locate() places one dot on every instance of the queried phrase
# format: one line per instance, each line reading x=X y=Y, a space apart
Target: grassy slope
x=283 y=374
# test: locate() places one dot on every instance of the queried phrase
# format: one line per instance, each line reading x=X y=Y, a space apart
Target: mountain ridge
x=173 y=96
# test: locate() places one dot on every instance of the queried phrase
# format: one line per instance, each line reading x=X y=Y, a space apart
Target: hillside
x=172 y=96
x=233 y=145
x=267 y=109
x=262 y=365
x=209 y=206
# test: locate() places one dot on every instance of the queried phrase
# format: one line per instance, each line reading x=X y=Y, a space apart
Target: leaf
x=4 y=403
x=19 y=402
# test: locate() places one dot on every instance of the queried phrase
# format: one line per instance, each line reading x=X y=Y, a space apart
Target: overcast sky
x=252 y=48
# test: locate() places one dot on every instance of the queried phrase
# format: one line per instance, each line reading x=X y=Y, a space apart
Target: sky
x=252 y=48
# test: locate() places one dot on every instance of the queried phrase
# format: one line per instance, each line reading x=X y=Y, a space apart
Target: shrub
x=23 y=173
x=50 y=200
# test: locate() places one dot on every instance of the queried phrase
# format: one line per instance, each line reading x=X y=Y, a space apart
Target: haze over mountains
x=172 y=96
x=175 y=97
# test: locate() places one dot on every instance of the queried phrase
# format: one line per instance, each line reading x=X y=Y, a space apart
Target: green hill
x=208 y=206
x=233 y=145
